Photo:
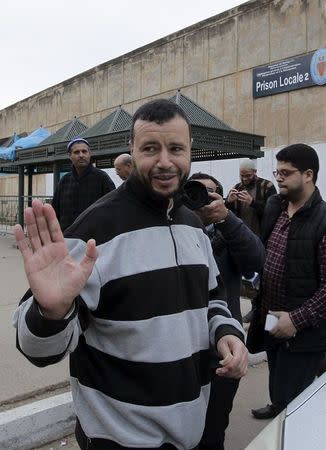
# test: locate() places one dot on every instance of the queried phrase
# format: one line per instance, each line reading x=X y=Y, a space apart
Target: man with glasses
x=293 y=287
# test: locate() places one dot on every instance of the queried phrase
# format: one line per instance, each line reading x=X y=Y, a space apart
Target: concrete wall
x=212 y=63
x=9 y=185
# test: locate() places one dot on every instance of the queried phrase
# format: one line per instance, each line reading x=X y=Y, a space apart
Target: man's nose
x=164 y=160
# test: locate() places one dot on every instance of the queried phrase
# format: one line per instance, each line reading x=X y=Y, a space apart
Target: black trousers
x=220 y=404
x=85 y=443
x=290 y=373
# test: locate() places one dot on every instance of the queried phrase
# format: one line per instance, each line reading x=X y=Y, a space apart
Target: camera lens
x=196 y=195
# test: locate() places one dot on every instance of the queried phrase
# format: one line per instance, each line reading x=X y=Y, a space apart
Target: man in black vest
x=294 y=278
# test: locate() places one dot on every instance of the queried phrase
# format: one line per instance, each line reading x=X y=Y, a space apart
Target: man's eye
x=149 y=149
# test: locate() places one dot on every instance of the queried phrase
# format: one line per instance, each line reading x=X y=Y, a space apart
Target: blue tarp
x=32 y=140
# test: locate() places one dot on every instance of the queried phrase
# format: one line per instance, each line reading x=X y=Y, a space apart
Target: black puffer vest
x=307 y=228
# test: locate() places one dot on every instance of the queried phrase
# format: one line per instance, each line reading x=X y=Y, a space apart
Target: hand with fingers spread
x=54 y=277
x=234 y=356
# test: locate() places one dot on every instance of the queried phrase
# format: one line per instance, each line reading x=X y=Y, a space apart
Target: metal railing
x=9 y=209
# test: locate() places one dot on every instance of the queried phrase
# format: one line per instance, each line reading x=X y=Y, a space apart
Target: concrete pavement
x=19 y=378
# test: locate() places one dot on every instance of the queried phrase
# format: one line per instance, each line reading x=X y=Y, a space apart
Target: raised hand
x=54 y=277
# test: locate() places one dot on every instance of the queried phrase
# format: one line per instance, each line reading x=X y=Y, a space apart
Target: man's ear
x=131 y=147
x=309 y=174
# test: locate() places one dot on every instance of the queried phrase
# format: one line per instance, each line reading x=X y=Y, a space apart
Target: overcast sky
x=45 y=42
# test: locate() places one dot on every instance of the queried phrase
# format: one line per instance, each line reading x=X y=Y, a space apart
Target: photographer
x=237 y=251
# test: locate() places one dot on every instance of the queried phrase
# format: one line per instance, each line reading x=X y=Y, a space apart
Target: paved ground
x=20 y=379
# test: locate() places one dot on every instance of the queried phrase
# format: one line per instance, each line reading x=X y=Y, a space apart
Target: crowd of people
x=143 y=290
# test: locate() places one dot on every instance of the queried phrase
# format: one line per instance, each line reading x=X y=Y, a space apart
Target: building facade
x=213 y=62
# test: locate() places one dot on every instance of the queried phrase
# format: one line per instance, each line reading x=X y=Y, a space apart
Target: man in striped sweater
x=136 y=310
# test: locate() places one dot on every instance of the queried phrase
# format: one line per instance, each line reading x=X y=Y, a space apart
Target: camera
x=196 y=195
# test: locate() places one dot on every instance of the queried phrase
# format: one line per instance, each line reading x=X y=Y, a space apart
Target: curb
x=37 y=423
x=256 y=358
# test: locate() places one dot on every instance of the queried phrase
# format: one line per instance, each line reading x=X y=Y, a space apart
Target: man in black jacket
x=238 y=251
x=81 y=187
x=294 y=278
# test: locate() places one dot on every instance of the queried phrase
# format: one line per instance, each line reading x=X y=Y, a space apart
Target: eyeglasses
x=284 y=173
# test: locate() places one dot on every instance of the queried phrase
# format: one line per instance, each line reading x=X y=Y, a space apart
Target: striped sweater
x=142 y=327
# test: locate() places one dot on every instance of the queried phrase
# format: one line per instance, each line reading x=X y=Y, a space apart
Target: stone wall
x=211 y=62
x=9 y=185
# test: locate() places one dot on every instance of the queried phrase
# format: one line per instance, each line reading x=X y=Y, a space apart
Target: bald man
x=247 y=199
x=123 y=166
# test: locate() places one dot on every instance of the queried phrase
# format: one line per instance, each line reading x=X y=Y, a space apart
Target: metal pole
x=21 y=195
x=56 y=175
x=30 y=186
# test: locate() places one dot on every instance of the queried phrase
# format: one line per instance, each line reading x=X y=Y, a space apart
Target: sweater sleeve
x=244 y=247
x=43 y=341
x=46 y=341
x=220 y=320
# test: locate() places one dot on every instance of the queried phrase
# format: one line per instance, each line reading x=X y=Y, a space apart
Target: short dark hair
x=302 y=157
x=159 y=111
x=205 y=176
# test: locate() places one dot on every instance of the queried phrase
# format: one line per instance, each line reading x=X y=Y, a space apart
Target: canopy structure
x=18 y=143
x=212 y=139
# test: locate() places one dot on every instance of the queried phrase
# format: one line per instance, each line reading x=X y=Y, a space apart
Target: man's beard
x=293 y=194
x=147 y=181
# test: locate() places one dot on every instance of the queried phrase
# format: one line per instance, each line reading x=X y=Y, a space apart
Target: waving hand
x=54 y=277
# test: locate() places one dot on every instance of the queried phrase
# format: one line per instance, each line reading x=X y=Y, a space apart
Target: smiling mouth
x=164 y=177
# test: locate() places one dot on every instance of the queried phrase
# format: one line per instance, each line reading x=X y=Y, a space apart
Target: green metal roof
x=212 y=139
x=198 y=115
x=118 y=120
x=69 y=131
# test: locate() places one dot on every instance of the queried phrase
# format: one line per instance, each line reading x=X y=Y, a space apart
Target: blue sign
x=290 y=74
